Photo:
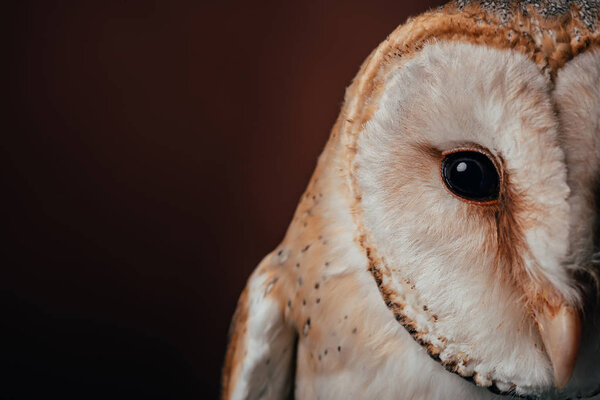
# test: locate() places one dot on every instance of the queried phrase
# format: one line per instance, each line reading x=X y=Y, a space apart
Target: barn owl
x=447 y=245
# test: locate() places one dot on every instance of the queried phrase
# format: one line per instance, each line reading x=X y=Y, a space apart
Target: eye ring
x=471 y=174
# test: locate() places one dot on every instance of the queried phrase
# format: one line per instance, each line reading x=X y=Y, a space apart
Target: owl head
x=471 y=145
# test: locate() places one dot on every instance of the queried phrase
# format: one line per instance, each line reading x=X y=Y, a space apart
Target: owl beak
x=560 y=328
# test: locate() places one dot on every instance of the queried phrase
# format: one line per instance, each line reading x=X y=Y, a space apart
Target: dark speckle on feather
x=306 y=327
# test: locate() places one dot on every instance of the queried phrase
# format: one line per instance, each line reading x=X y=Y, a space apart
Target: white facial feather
x=577 y=98
x=439 y=251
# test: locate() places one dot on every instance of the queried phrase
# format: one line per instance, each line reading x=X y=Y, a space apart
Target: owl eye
x=471 y=175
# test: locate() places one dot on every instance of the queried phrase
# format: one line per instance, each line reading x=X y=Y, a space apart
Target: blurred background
x=154 y=153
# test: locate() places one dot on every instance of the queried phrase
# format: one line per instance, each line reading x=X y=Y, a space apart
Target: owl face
x=472 y=138
x=477 y=175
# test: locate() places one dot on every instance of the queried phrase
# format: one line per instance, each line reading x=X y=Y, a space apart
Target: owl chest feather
x=350 y=346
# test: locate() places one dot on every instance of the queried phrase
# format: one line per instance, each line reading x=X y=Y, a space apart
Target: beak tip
x=561 y=333
x=561 y=378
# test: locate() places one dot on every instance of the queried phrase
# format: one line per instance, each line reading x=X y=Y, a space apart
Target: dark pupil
x=471 y=175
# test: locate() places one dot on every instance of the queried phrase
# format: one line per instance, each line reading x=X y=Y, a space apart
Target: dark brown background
x=155 y=151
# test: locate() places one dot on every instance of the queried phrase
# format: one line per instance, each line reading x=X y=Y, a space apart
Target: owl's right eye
x=471 y=175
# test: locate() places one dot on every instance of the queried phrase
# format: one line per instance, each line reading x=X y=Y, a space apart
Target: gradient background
x=155 y=152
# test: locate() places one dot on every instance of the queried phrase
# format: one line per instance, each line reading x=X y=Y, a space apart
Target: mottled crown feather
x=584 y=11
x=557 y=30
